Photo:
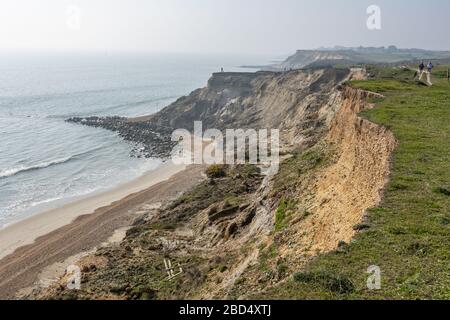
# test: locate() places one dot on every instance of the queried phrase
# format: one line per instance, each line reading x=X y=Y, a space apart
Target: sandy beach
x=30 y=245
x=26 y=231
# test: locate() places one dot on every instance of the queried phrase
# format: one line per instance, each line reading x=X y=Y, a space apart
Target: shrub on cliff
x=216 y=171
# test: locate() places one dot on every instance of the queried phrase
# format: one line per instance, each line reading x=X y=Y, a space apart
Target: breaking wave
x=13 y=171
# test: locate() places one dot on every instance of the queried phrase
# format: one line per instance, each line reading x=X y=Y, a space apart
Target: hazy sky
x=228 y=26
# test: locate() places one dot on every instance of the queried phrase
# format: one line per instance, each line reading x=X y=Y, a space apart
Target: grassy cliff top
x=408 y=235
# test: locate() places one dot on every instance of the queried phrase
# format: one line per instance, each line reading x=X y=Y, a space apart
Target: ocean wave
x=24 y=168
x=19 y=169
x=37 y=203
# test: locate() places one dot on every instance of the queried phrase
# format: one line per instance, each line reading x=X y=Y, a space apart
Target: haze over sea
x=45 y=161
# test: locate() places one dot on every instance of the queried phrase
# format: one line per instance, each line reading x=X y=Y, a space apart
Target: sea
x=46 y=162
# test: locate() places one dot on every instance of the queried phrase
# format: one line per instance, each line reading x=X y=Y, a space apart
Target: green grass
x=409 y=233
x=283 y=214
x=293 y=169
x=289 y=179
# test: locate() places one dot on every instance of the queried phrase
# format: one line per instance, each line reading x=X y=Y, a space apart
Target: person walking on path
x=421 y=70
x=430 y=70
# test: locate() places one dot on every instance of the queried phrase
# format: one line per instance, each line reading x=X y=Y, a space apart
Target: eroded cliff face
x=243 y=232
x=289 y=101
x=300 y=103
x=355 y=181
x=332 y=198
x=318 y=201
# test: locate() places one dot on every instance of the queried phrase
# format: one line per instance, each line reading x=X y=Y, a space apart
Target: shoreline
x=25 y=232
x=30 y=265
